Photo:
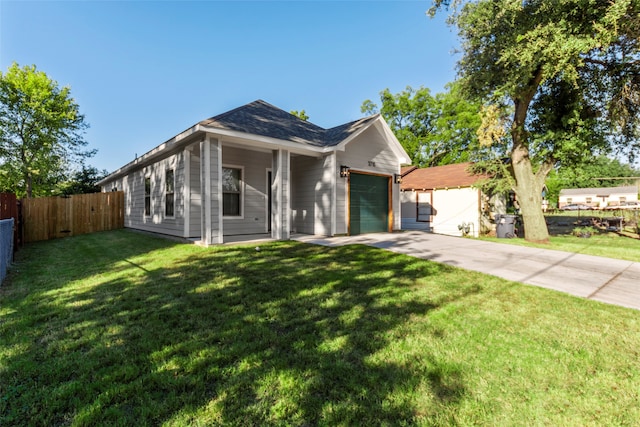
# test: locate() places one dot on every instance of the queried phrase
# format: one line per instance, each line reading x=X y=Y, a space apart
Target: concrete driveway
x=601 y=279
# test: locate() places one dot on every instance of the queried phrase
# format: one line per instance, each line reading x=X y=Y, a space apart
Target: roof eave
x=302 y=147
x=168 y=145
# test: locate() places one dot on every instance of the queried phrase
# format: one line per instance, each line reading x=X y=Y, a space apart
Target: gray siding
x=371 y=153
x=311 y=195
x=133 y=187
x=254 y=210
x=195 y=196
x=157 y=221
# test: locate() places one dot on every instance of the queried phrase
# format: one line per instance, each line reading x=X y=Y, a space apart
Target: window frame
x=420 y=217
x=147 y=209
x=241 y=183
x=173 y=192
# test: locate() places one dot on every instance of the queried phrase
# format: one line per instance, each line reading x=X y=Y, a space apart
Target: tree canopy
x=82 y=181
x=300 y=114
x=565 y=74
x=434 y=130
x=41 y=132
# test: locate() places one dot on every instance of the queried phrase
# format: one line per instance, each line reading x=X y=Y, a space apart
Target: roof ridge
x=285 y=124
x=227 y=113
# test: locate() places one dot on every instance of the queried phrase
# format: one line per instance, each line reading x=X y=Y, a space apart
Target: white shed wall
x=453 y=207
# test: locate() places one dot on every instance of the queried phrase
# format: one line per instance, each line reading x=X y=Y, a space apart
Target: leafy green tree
x=601 y=171
x=434 y=130
x=40 y=132
x=566 y=71
x=83 y=181
x=300 y=114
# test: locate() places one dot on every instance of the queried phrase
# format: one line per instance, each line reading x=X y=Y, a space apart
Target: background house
x=442 y=200
x=598 y=197
x=259 y=171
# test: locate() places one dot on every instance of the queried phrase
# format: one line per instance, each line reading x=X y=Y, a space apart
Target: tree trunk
x=529 y=196
x=528 y=184
x=29 y=188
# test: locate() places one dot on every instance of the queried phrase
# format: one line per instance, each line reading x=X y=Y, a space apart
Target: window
x=147 y=196
x=424 y=207
x=231 y=191
x=169 y=186
x=569 y=200
x=588 y=199
x=623 y=199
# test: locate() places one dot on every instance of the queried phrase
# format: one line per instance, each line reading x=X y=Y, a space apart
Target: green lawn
x=120 y=328
x=610 y=245
x=602 y=243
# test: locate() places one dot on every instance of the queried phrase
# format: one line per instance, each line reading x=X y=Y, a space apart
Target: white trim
x=242 y=192
x=168 y=168
x=398 y=149
x=147 y=174
x=301 y=147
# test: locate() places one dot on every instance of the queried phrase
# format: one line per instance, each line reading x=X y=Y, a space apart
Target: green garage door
x=368 y=204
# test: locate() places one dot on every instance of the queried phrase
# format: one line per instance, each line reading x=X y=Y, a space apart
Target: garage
x=368 y=203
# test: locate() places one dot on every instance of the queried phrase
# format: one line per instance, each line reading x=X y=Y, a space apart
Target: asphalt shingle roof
x=261 y=118
x=448 y=176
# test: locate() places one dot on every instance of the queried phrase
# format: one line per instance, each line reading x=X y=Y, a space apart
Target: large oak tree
x=565 y=72
x=434 y=130
x=40 y=132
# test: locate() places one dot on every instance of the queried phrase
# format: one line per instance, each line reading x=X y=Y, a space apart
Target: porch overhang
x=198 y=132
x=264 y=142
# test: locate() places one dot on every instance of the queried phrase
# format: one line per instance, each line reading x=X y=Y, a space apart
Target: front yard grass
x=120 y=328
x=601 y=243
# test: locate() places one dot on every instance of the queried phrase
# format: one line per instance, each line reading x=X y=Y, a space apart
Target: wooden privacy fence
x=10 y=209
x=54 y=217
x=8 y=206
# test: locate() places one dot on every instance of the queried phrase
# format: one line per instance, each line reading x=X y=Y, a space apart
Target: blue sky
x=143 y=71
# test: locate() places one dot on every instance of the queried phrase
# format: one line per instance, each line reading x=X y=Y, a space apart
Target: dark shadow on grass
x=294 y=334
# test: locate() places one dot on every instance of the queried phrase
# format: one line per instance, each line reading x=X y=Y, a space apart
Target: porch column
x=186 y=192
x=333 y=168
x=281 y=203
x=211 y=190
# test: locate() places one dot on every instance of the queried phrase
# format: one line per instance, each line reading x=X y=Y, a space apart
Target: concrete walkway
x=601 y=279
